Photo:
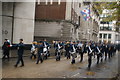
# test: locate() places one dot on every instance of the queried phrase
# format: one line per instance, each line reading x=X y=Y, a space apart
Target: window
x=79 y=5
x=110 y=22
x=100 y=41
x=110 y=27
x=109 y=41
x=109 y=36
x=105 y=36
x=101 y=28
x=100 y=36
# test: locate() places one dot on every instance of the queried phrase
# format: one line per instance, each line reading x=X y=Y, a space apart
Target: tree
x=114 y=7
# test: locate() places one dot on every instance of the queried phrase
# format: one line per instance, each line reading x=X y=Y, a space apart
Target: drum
x=44 y=50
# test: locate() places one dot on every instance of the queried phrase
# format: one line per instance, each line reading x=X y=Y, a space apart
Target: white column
x=0 y=40
x=24 y=22
x=107 y=37
x=0 y=29
x=102 y=36
x=68 y=11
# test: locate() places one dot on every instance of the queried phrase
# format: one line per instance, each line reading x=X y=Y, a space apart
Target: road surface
x=61 y=69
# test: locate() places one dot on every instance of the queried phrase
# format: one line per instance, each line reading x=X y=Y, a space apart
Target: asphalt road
x=61 y=69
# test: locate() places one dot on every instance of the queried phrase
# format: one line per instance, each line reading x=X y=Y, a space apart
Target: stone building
x=88 y=30
x=57 y=21
x=50 y=20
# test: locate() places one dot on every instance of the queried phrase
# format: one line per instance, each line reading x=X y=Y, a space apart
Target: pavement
x=51 y=68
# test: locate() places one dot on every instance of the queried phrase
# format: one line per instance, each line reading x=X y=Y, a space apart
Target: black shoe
x=88 y=68
x=15 y=65
x=80 y=60
x=41 y=61
x=101 y=60
x=8 y=59
x=71 y=62
x=97 y=62
x=21 y=65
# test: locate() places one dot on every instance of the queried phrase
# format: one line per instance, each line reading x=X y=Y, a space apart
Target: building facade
x=56 y=21
x=107 y=30
x=18 y=21
x=51 y=20
x=88 y=30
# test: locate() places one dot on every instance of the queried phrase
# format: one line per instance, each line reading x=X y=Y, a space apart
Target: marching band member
x=106 y=50
x=73 y=52
x=57 y=50
x=67 y=48
x=46 y=49
x=98 y=52
x=90 y=54
x=20 y=47
x=80 y=50
x=40 y=52
x=6 y=49
x=33 y=50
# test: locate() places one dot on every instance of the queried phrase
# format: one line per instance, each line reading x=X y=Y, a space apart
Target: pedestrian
x=6 y=49
x=20 y=48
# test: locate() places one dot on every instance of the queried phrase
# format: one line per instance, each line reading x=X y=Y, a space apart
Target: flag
x=86 y=14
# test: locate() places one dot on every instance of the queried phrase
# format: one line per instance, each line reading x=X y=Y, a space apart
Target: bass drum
x=44 y=50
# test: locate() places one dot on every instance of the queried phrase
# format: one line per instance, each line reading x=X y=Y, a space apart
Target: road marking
x=75 y=75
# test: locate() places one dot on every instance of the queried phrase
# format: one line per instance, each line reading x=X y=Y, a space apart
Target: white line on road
x=75 y=75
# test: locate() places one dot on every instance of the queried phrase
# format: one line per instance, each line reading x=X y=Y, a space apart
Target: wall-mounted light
x=38 y=2
x=51 y=2
x=59 y=1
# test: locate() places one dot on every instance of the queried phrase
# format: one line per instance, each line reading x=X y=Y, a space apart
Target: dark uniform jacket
x=6 y=46
x=67 y=47
x=40 y=49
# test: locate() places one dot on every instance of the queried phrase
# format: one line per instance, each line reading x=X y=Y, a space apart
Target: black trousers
x=20 y=59
x=73 y=58
x=98 y=57
x=94 y=53
x=6 y=53
x=67 y=54
x=33 y=55
x=39 y=58
x=81 y=55
x=110 y=54
x=106 y=54
x=89 y=60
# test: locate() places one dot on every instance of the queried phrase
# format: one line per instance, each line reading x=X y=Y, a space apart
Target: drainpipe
x=13 y=23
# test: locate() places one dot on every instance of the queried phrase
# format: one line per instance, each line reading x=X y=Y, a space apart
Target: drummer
x=73 y=52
